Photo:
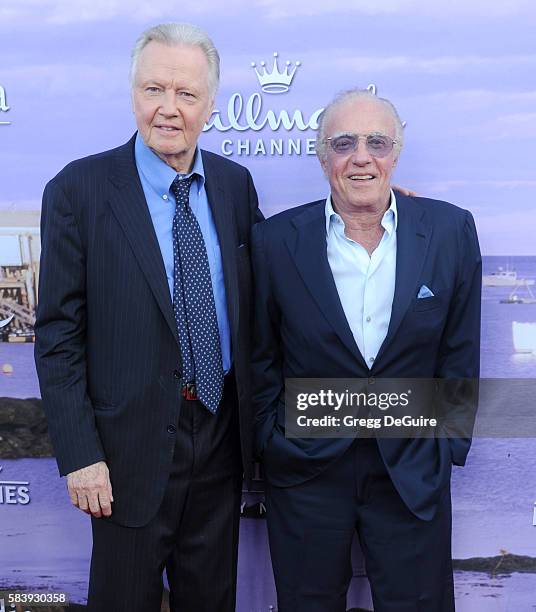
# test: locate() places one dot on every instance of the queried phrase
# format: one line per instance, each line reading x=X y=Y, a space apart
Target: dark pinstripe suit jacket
x=107 y=351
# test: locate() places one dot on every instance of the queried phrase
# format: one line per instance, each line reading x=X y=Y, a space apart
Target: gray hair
x=180 y=34
x=356 y=94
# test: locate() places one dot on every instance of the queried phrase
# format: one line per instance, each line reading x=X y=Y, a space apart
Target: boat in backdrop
x=516 y=298
x=504 y=277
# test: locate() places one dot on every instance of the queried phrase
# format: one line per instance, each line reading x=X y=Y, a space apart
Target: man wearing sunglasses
x=364 y=284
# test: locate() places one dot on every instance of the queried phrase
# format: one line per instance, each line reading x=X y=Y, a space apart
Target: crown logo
x=276 y=81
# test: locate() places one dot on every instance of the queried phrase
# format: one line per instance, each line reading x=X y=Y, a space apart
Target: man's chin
x=169 y=147
x=178 y=157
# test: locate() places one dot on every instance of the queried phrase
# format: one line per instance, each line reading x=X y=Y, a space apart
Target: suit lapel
x=309 y=252
x=223 y=212
x=412 y=239
x=131 y=211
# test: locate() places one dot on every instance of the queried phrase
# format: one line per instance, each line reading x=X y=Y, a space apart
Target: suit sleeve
x=459 y=355
x=256 y=215
x=267 y=361
x=60 y=331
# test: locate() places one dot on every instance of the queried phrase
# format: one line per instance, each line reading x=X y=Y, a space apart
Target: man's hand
x=90 y=489
x=404 y=191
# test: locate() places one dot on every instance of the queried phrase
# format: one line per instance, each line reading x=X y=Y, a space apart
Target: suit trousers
x=311 y=527
x=193 y=536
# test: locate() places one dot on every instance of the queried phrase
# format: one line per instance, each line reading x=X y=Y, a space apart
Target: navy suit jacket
x=107 y=351
x=301 y=331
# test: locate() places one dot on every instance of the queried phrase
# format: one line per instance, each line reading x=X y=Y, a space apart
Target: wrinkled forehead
x=359 y=116
x=158 y=58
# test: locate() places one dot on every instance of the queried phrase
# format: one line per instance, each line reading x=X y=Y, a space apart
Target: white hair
x=180 y=34
x=356 y=94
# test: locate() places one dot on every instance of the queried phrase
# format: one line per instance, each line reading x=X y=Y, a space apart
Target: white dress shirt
x=365 y=283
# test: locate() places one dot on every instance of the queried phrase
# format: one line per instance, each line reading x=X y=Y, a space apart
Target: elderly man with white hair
x=364 y=284
x=143 y=338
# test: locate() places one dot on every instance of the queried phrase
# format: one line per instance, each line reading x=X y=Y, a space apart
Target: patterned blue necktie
x=193 y=302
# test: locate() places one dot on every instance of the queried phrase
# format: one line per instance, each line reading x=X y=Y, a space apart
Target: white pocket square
x=424 y=292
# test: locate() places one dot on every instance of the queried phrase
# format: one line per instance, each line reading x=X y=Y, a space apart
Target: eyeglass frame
x=357 y=137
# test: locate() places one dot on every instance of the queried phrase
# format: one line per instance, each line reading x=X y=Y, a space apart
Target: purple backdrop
x=462 y=76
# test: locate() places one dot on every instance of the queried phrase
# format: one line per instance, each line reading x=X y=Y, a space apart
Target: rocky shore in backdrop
x=499 y=565
x=23 y=429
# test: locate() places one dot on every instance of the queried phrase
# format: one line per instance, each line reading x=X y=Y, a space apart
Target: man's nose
x=361 y=156
x=168 y=106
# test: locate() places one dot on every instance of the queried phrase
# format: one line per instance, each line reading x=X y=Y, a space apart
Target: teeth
x=168 y=129
x=366 y=177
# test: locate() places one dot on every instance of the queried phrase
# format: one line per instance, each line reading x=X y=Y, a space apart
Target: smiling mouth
x=361 y=177
x=167 y=128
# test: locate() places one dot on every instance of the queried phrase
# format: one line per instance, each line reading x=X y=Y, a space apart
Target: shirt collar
x=158 y=174
x=389 y=220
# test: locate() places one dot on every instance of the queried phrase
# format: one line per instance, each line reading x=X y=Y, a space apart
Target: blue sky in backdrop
x=461 y=73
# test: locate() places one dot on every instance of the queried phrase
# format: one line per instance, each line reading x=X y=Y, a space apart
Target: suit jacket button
x=176 y=374
x=371 y=380
x=171 y=429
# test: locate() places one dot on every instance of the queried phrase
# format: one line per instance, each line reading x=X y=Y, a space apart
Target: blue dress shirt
x=156 y=178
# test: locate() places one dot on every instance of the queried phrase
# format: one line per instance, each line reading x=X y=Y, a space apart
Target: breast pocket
x=429 y=303
x=242 y=251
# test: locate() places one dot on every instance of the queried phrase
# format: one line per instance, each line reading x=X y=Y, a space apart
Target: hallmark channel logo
x=14 y=492
x=3 y=105
x=276 y=81
x=255 y=113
